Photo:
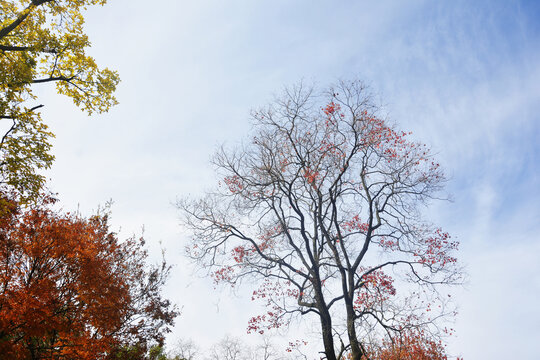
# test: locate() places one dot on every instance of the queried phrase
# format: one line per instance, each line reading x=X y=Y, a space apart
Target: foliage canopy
x=71 y=289
x=43 y=41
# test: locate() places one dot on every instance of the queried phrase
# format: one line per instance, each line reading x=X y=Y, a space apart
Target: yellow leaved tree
x=43 y=41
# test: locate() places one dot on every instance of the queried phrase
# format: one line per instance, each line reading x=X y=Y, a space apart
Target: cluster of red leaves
x=67 y=285
x=355 y=224
x=436 y=249
x=267 y=237
x=270 y=320
x=222 y=274
x=331 y=111
x=378 y=134
x=393 y=146
x=389 y=144
x=331 y=108
x=388 y=244
x=328 y=147
x=283 y=162
x=295 y=345
x=311 y=176
x=239 y=253
x=377 y=288
x=273 y=318
x=233 y=183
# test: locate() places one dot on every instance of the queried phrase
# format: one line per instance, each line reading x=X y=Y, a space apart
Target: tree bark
x=356 y=350
x=326 y=323
x=328 y=338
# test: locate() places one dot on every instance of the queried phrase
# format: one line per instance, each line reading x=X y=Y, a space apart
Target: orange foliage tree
x=71 y=290
x=409 y=345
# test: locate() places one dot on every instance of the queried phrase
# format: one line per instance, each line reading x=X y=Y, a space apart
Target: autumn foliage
x=71 y=290
x=409 y=345
x=43 y=41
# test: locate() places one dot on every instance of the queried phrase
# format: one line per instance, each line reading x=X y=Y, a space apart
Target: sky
x=463 y=76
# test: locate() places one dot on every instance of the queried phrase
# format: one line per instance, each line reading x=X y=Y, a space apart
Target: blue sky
x=463 y=76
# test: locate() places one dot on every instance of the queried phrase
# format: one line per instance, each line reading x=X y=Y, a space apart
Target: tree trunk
x=328 y=338
x=326 y=323
x=356 y=350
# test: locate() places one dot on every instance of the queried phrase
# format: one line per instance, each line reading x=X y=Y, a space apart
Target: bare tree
x=229 y=348
x=232 y=348
x=266 y=350
x=185 y=350
x=322 y=210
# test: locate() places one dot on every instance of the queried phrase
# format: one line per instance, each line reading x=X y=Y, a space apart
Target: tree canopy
x=71 y=289
x=322 y=210
x=43 y=41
